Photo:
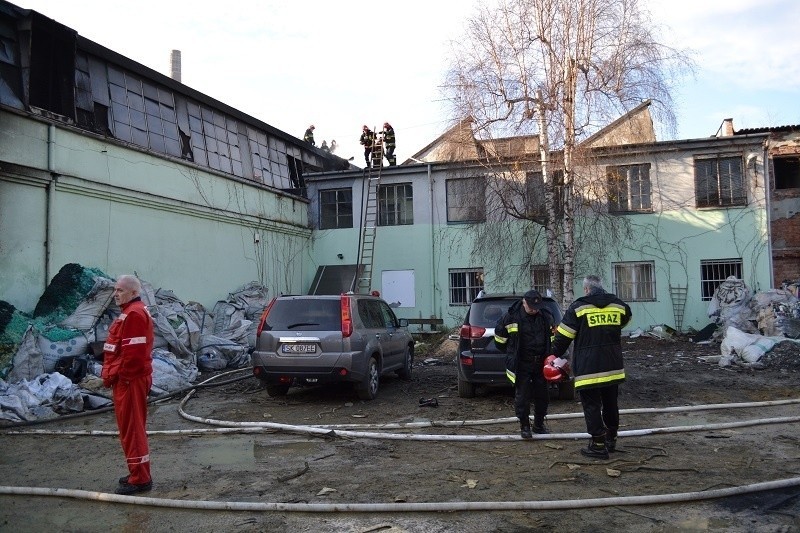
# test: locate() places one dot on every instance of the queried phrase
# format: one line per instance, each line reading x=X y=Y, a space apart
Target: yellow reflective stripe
x=513 y=327
x=599 y=378
x=602 y=317
x=500 y=340
x=566 y=331
x=512 y=377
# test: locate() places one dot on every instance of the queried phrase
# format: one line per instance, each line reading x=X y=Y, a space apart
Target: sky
x=339 y=65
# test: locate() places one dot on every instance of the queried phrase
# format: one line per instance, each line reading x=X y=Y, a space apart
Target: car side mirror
x=402 y=322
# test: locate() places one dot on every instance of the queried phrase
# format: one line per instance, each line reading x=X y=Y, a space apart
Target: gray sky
x=342 y=64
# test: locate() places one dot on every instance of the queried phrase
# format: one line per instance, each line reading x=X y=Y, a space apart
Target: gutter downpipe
x=433 y=240
x=436 y=300
x=767 y=197
x=51 y=199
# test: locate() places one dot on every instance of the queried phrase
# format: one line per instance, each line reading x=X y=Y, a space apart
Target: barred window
x=395 y=205
x=336 y=209
x=540 y=279
x=465 y=284
x=719 y=182
x=715 y=271
x=635 y=281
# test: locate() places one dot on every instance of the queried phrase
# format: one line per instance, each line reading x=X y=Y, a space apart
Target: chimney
x=175 y=65
x=726 y=128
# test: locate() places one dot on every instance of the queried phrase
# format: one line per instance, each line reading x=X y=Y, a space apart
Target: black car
x=479 y=360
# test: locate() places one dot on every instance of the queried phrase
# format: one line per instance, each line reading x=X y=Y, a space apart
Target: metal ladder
x=678 y=296
x=362 y=282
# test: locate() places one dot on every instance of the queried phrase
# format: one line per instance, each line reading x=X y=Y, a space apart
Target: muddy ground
x=297 y=468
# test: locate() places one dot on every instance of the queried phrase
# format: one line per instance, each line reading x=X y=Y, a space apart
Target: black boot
x=525 y=429
x=611 y=440
x=596 y=448
x=539 y=427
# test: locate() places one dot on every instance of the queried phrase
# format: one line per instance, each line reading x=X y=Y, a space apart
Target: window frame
x=725 y=192
x=466 y=212
x=402 y=203
x=785 y=171
x=633 y=178
x=143 y=112
x=339 y=204
x=635 y=290
x=463 y=294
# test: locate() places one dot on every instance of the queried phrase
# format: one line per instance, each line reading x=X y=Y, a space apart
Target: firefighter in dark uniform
x=389 y=143
x=523 y=334
x=309 y=136
x=367 y=139
x=594 y=322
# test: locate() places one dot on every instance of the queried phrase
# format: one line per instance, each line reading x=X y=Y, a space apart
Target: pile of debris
x=746 y=325
x=48 y=356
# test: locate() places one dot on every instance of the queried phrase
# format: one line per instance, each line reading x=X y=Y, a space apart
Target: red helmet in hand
x=555 y=369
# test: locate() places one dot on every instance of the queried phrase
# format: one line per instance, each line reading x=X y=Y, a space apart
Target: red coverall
x=128 y=368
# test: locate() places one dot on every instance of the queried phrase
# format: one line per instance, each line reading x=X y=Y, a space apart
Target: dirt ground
x=278 y=466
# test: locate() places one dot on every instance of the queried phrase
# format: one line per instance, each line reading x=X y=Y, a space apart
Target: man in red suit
x=128 y=370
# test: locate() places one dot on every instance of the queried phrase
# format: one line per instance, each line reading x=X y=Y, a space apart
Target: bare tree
x=561 y=69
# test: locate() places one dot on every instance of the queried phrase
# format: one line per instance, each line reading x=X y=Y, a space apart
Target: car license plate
x=299 y=348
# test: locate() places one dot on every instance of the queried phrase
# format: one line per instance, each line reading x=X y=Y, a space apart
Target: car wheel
x=368 y=389
x=277 y=390
x=408 y=360
x=566 y=390
x=465 y=388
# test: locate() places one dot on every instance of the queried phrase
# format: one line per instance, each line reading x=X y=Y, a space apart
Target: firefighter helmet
x=555 y=369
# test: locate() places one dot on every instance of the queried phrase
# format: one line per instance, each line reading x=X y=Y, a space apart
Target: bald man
x=128 y=371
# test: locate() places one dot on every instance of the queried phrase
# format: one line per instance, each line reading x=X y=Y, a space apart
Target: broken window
x=52 y=66
x=395 y=205
x=84 y=104
x=10 y=72
x=715 y=271
x=787 y=172
x=296 y=174
x=540 y=279
x=629 y=188
x=215 y=139
x=259 y=151
x=635 y=281
x=719 y=182
x=143 y=113
x=466 y=200
x=465 y=284
x=336 y=208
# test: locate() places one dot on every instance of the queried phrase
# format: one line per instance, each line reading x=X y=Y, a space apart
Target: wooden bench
x=422 y=322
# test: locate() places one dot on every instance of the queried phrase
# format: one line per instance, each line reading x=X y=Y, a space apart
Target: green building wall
x=70 y=197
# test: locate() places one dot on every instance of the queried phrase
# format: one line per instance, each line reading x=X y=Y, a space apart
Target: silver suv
x=305 y=340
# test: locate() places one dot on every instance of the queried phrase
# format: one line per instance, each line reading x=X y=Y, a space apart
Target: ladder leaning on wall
x=678 y=296
x=362 y=281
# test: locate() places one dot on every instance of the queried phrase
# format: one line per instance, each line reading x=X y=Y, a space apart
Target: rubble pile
x=64 y=336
